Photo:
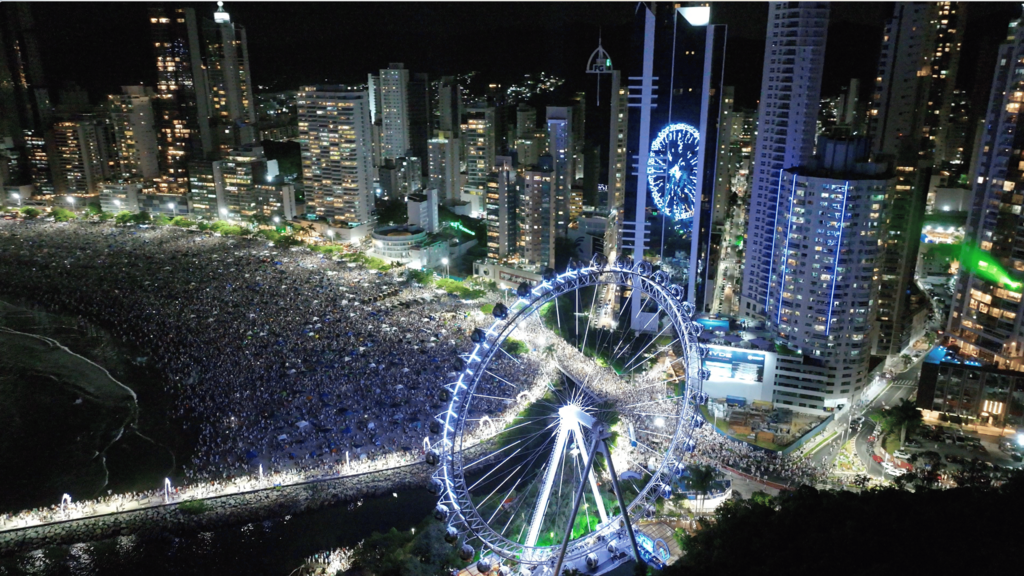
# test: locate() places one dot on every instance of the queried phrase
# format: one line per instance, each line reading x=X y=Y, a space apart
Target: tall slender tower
x=394 y=111
x=479 y=136
x=560 y=146
x=230 y=97
x=131 y=116
x=334 y=132
x=788 y=112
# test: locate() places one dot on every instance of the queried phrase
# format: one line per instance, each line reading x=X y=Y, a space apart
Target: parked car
x=902 y=454
x=859 y=420
x=948 y=438
x=913 y=443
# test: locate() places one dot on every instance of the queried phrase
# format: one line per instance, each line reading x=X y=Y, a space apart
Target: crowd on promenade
x=713 y=448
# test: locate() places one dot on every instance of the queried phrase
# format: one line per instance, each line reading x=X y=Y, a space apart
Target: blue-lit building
x=675 y=94
x=821 y=283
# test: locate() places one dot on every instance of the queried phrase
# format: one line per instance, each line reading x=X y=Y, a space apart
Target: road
x=902 y=387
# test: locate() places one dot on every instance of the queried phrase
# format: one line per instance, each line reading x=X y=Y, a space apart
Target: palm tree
x=907 y=360
x=903 y=416
x=701 y=479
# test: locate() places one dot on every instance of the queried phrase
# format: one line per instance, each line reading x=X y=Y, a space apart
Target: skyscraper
x=394 y=111
x=825 y=242
x=334 y=132
x=535 y=237
x=449 y=106
x=83 y=155
x=134 y=126
x=479 y=136
x=502 y=197
x=182 y=116
x=560 y=146
x=419 y=117
x=618 y=132
x=989 y=296
x=788 y=111
x=231 y=103
x=443 y=160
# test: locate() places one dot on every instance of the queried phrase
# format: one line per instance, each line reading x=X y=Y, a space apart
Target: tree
x=799 y=534
x=30 y=213
x=907 y=360
x=142 y=218
x=287 y=241
x=905 y=417
x=931 y=337
x=94 y=208
x=123 y=217
x=702 y=477
x=63 y=215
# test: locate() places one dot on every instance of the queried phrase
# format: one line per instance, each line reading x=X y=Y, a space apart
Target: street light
x=71 y=200
x=224 y=213
x=17 y=197
x=117 y=202
x=170 y=206
x=445 y=262
x=330 y=234
x=277 y=220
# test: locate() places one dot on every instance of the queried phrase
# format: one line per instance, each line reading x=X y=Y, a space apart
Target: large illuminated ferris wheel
x=581 y=436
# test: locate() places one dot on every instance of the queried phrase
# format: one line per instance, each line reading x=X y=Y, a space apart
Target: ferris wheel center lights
x=571 y=414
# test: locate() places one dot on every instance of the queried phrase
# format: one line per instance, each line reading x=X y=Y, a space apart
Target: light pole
x=445 y=262
x=170 y=206
x=330 y=234
x=224 y=213
x=71 y=200
x=17 y=197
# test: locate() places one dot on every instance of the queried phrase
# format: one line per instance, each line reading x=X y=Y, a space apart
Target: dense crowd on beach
x=288 y=360
x=275 y=357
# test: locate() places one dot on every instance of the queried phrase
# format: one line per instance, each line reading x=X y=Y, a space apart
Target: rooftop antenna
x=599 y=63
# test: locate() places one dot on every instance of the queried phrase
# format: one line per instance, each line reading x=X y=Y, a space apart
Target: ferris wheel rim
x=451 y=474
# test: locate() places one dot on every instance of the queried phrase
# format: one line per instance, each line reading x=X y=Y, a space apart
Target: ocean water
x=79 y=415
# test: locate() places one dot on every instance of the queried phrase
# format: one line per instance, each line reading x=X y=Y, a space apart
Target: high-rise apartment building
x=788 y=111
x=84 y=156
x=334 y=132
x=535 y=238
x=618 y=133
x=443 y=167
x=824 y=249
x=419 y=117
x=182 y=117
x=560 y=147
x=394 y=111
x=231 y=103
x=449 y=106
x=134 y=126
x=726 y=160
x=478 y=134
x=502 y=197
x=988 y=304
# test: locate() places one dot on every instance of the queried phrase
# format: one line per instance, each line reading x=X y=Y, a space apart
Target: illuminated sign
x=672 y=170
x=735 y=364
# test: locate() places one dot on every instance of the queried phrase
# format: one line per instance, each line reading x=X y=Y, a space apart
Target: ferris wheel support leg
x=599 y=436
x=622 y=503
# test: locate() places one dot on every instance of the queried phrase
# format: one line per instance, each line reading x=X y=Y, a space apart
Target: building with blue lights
x=954 y=386
x=821 y=289
x=787 y=115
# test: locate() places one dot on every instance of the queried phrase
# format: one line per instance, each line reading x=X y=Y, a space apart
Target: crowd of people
x=274 y=357
x=287 y=360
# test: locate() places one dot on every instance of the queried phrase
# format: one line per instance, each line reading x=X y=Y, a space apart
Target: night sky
x=101 y=46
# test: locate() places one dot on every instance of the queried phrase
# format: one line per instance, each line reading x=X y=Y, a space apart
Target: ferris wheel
x=548 y=459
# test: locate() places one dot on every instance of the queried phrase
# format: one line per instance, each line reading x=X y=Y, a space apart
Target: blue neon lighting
x=672 y=170
x=785 y=255
x=771 y=258
x=835 y=266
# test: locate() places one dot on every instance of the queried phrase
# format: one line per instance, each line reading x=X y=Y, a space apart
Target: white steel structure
x=533 y=501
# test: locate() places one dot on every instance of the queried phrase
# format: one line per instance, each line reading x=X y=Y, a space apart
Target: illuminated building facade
x=478 y=135
x=134 y=126
x=535 y=238
x=394 y=111
x=560 y=147
x=443 y=167
x=83 y=157
x=334 y=132
x=986 y=316
x=787 y=116
x=822 y=283
x=502 y=196
x=231 y=103
x=205 y=189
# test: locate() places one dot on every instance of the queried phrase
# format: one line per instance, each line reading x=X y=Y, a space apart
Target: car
x=948 y=438
x=902 y=454
x=913 y=444
x=960 y=439
x=859 y=420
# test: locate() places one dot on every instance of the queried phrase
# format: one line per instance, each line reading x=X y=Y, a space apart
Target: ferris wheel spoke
x=509 y=477
x=509 y=495
x=656 y=352
x=590 y=318
x=517 y=442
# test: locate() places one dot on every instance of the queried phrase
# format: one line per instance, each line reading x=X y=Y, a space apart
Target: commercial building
x=334 y=132
x=787 y=113
x=955 y=386
x=409 y=245
x=422 y=208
